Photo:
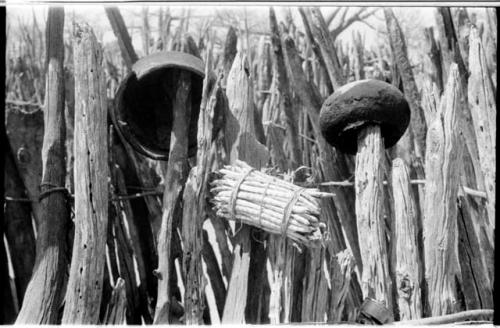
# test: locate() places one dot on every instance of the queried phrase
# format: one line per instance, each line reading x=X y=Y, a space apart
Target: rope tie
x=52 y=188
x=234 y=196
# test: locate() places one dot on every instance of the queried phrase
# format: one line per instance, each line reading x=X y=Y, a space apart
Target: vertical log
x=482 y=104
x=175 y=177
x=45 y=290
x=245 y=147
x=84 y=292
x=375 y=278
x=407 y=265
x=18 y=227
x=121 y=33
x=477 y=286
x=442 y=269
x=192 y=222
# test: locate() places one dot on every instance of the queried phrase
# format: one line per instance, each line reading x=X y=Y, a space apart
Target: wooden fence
x=97 y=233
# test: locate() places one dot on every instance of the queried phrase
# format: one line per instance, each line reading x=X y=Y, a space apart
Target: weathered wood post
x=363 y=118
x=442 y=268
x=84 y=291
x=483 y=110
x=44 y=293
x=407 y=264
x=176 y=175
x=245 y=147
x=195 y=206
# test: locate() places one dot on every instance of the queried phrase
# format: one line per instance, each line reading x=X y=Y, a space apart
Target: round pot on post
x=142 y=110
x=363 y=118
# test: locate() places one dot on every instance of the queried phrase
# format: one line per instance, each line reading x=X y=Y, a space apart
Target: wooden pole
x=279 y=73
x=44 y=293
x=241 y=133
x=121 y=33
x=408 y=268
x=175 y=177
x=482 y=104
x=442 y=269
x=195 y=206
x=84 y=291
x=369 y=174
x=323 y=39
x=417 y=123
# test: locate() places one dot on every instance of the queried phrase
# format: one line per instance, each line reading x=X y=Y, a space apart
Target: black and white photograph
x=252 y=163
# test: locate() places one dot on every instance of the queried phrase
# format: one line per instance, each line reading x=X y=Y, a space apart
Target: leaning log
x=84 y=291
x=44 y=293
x=121 y=33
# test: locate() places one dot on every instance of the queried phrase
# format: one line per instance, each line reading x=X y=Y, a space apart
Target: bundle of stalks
x=244 y=194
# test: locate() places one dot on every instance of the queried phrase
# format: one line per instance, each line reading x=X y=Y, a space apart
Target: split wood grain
x=195 y=207
x=84 y=291
x=442 y=268
x=375 y=276
x=44 y=293
x=408 y=266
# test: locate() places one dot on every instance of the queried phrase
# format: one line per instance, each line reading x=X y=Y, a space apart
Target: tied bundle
x=244 y=194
